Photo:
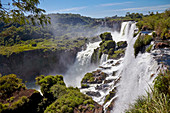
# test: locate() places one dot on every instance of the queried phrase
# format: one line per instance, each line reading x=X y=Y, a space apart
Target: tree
x=16 y=11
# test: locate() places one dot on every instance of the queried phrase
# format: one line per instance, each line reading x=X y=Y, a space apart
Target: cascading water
x=81 y=66
x=133 y=75
x=109 y=68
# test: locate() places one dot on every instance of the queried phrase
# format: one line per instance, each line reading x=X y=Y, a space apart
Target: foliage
x=158 y=100
x=116 y=54
x=147 y=39
x=106 y=36
x=157 y=22
x=135 y=34
x=109 y=96
x=88 y=77
x=47 y=82
x=84 y=86
x=95 y=56
x=15 y=10
x=107 y=45
x=162 y=82
x=141 y=42
x=73 y=98
x=121 y=44
x=149 y=48
x=23 y=100
x=9 y=84
x=44 y=44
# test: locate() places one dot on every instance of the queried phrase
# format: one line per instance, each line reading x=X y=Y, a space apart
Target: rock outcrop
x=29 y=64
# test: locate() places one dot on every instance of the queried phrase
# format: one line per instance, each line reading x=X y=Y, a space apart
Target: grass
x=158 y=101
x=152 y=103
x=41 y=44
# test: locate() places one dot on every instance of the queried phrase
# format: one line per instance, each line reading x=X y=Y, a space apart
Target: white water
x=135 y=76
x=134 y=73
x=81 y=66
x=126 y=26
x=124 y=32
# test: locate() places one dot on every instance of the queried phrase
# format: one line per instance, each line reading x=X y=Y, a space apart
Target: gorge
x=111 y=68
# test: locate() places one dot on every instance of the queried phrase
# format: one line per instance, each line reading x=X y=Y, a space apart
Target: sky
x=103 y=8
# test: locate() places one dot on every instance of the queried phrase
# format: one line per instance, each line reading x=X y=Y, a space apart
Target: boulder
x=161 y=45
x=93 y=93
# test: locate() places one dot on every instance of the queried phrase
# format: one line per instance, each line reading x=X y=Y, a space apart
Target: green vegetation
x=149 y=48
x=73 y=98
x=158 y=22
x=107 y=45
x=141 y=42
x=117 y=54
x=47 y=82
x=14 y=11
x=88 y=77
x=121 y=44
x=84 y=86
x=9 y=84
x=135 y=34
x=45 y=44
x=23 y=100
x=158 y=100
x=106 y=36
x=109 y=96
x=60 y=98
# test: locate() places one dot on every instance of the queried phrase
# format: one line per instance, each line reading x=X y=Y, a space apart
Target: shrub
x=147 y=39
x=154 y=34
x=9 y=84
x=122 y=44
x=149 y=48
x=158 y=100
x=164 y=31
x=162 y=82
x=106 y=36
x=84 y=86
x=109 y=96
x=88 y=77
x=107 y=45
x=73 y=98
x=47 y=82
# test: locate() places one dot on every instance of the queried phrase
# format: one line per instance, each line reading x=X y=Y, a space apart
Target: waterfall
x=135 y=75
x=81 y=66
x=132 y=75
x=123 y=34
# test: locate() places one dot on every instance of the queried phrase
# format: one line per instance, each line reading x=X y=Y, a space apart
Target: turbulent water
x=133 y=75
x=81 y=66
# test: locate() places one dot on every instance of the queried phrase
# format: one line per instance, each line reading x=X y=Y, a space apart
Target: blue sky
x=103 y=8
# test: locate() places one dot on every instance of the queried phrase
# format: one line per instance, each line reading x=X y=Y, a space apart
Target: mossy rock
x=109 y=96
x=95 y=56
x=107 y=45
x=121 y=44
x=106 y=36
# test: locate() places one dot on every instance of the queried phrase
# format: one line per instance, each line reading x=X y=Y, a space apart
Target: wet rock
x=101 y=87
x=96 y=77
x=117 y=63
x=104 y=67
x=92 y=93
x=108 y=81
x=122 y=44
x=114 y=73
x=161 y=45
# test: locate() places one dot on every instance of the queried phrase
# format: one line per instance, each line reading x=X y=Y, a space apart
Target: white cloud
x=150 y=8
x=72 y=9
x=112 y=4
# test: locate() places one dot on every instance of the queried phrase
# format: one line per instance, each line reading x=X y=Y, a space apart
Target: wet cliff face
x=29 y=64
